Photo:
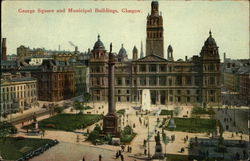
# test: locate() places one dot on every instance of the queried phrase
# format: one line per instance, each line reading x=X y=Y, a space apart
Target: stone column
x=111 y=87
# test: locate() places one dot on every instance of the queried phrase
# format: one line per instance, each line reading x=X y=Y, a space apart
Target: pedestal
x=110 y=125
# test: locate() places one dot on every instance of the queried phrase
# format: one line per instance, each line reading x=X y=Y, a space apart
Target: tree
x=86 y=98
x=78 y=106
x=6 y=129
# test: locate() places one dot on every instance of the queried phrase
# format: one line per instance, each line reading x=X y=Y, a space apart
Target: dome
x=210 y=40
x=122 y=52
x=170 y=49
x=99 y=44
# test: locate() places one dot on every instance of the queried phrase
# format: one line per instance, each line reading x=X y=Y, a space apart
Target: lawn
x=200 y=110
x=121 y=112
x=166 y=112
x=194 y=125
x=14 y=148
x=69 y=122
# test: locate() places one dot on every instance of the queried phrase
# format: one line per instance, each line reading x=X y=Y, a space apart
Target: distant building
x=17 y=92
x=81 y=77
x=56 y=80
x=3 y=49
x=60 y=55
x=12 y=57
x=244 y=93
x=38 y=59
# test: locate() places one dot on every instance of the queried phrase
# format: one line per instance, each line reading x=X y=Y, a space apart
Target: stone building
x=244 y=93
x=17 y=92
x=56 y=80
x=60 y=55
x=190 y=81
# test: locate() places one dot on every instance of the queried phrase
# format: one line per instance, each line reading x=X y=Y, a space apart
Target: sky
x=186 y=25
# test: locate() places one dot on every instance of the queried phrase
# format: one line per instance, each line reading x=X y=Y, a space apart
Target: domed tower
x=210 y=48
x=122 y=55
x=99 y=51
x=154 y=40
x=170 y=53
x=210 y=71
x=135 y=53
x=98 y=70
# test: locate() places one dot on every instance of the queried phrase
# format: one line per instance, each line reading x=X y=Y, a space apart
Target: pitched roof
x=151 y=58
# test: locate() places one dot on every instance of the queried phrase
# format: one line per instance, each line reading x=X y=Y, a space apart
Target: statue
x=158 y=148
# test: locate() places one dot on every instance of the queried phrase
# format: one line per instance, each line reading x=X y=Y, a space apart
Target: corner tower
x=154 y=40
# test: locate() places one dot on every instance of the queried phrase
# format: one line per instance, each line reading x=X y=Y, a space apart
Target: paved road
x=75 y=152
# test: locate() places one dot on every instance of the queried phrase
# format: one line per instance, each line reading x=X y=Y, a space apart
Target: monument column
x=110 y=121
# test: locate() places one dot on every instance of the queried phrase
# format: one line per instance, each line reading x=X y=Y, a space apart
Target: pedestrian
x=241 y=137
x=130 y=149
x=117 y=155
x=83 y=159
x=22 y=124
x=145 y=151
x=100 y=157
x=187 y=137
x=122 y=158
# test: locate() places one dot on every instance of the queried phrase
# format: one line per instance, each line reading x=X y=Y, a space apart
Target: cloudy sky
x=186 y=25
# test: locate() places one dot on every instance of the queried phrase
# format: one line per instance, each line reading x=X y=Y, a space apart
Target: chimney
x=186 y=58
x=4 y=49
x=59 y=48
x=76 y=48
x=224 y=57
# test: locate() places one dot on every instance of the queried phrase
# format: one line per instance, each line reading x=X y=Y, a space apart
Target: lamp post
x=148 y=141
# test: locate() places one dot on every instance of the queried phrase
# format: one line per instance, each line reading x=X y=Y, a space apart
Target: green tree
x=78 y=107
x=6 y=129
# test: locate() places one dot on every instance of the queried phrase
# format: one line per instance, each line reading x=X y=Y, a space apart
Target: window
x=142 y=68
x=128 y=99
x=178 y=91
x=152 y=68
x=127 y=82
x=163 y=68
x=142 y=81
x=152 y=80
x=127 y=91
x=188 y=80
x=170 y=82
x=162 y=81
x=179 y=80
x=119 y=81
x=188 y=92
x=170 y=92
x=119 y=91
x=188 y=99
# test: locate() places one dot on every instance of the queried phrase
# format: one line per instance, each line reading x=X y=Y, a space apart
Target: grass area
x=68 y=122
x=194 y=125
x=14 y=148
x=166 y=112
x=121 y=112
x=200 y=110
x=127 y=138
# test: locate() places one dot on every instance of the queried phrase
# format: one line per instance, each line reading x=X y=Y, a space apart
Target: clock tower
x=154 y=40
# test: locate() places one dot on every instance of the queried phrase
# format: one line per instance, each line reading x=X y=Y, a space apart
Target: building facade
x=190 y=81
x=17 y=93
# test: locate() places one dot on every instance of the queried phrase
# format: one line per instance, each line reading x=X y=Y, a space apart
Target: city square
x=103 y=105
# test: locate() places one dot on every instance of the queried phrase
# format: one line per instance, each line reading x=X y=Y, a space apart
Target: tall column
x=111 y=88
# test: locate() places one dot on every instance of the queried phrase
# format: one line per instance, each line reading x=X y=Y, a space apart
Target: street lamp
x=148 y=140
